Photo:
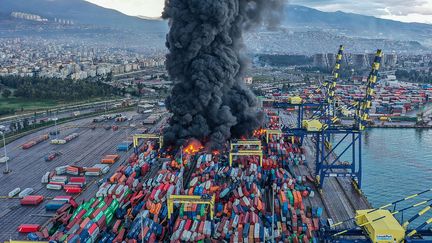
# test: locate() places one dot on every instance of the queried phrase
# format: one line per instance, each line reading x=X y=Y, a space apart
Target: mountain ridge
x=355 y=28
x=82 y=12
x=355 y=25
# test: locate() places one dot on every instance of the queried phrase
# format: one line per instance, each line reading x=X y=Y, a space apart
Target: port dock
x=338 y=197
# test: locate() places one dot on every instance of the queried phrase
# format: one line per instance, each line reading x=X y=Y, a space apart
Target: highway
x=28 y=166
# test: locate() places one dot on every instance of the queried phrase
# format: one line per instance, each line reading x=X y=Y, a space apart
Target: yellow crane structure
x=269 y=132
x=246 y=153
x=257 y=143
x=186 y=199
x=380 y=224
x=235 y=151
x=137 y=137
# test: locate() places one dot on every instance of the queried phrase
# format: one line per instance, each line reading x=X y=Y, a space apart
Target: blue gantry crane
x=322 y=126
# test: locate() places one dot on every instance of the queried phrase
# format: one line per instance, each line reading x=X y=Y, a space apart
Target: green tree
x=140 y=86
x=26 y=123
x=12 y=126
x=6 y=93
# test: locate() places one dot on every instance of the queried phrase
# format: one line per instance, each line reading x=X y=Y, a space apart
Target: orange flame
x=259 y=132
x=193 y=147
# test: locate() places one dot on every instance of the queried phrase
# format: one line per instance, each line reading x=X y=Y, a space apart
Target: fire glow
x=193 y=147
x=259 y=132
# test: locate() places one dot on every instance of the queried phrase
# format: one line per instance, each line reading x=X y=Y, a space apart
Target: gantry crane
x=324 y=110
x=328 y=104
x=137 y=137
x=254 y=149
x=186 y=199
x=326 y=160
x=327 y=163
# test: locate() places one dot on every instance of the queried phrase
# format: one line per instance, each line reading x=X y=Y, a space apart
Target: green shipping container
x=109 y=218
x=77 y=212
x=89 y=212
x=114 y=205
x=63 y=238
x=203 y=210
x=100 y=214
x=101 y=204
x=182 y=211
x=290 y=197
x=108 y=211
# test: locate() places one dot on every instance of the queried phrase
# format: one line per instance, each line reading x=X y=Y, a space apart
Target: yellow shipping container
x=296 y=100
x=312 y=125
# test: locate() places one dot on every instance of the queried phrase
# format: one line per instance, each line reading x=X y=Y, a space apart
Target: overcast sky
x=402 y=10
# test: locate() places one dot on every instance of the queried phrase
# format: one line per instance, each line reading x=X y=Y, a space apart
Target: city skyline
x=414 y=11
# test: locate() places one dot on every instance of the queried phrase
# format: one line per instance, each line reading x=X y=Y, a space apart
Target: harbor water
x=397 y=163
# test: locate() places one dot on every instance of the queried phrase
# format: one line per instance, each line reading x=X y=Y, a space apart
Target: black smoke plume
x=209 y=100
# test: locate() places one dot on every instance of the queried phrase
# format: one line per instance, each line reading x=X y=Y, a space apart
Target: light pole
x=142 y=227
x=55 y=127
x=4 y=159
x=273 y=202
x=181 y=155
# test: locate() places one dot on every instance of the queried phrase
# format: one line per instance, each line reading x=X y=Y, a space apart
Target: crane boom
x=364 y=106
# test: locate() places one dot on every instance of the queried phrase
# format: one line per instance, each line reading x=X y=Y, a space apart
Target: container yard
x=394 y=101
x=240 y=196
x=32 y=175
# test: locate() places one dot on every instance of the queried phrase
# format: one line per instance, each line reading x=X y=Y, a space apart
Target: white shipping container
x=194 y=236
x=89 y=173
x=45 y=178
x=194 y=225
x=14 y=192
x=26 y=192
x=60 y=170
x=59 y=179
x=256 y=231
x=207 y=228
x=53 y=186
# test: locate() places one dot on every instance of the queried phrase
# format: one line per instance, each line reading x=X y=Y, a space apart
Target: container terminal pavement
x=30 y=165
x=185 y=195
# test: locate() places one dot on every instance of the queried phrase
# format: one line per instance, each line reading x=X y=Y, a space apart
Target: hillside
x=303 y=30
x=355 y=25
x=82 y=12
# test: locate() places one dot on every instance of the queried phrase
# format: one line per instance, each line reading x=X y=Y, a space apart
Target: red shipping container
x=28 y=228
x=73 y=203
x=101 y=222
x=80 y=179
x=32 y=200
x=73 y=190
x=92 y=229
x=71 y=186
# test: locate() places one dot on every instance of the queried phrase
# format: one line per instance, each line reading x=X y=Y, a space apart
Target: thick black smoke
x=209 y=101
